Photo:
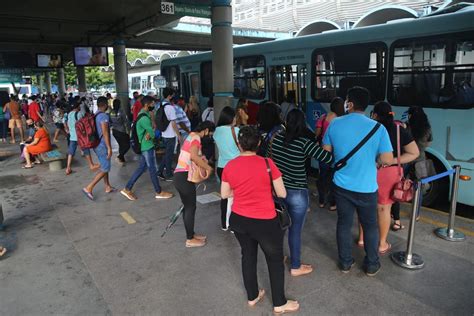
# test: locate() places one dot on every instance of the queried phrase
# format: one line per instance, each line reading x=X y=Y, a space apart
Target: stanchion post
x=408 y=259
x=449 y=233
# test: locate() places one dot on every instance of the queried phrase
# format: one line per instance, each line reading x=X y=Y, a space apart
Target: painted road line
x=440 y=224
x=127 y=218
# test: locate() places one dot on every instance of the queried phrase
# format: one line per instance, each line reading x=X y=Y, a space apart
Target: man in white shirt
x=169 y=136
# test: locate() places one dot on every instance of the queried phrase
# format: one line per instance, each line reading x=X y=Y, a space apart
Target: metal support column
x=39 y=83
x=222 y=55
x=121 y=79
x=81 y=80
x=47 y=80
x=61 y=82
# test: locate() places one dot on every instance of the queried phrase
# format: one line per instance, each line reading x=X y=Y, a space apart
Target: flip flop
x=383 y=252
x=261 y=294
x=26 y=167
x=88 y=194
x=111 y=190
x=396 y=227
x=360 y=245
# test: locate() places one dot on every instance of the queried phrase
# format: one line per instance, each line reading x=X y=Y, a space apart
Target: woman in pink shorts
x=389 y=175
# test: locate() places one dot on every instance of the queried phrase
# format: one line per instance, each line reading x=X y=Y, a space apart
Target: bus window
x=206 y=79
x=249 y=77
x=433 y=73
x=171 y=74
x=135 y=84
x=338 y=69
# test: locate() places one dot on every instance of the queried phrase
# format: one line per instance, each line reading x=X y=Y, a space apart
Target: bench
x=54 y=158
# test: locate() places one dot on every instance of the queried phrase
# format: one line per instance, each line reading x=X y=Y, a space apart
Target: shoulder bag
x=234 y=136
x=403 y=189
x=342 y=163
x=280 y=207
x=197 y=174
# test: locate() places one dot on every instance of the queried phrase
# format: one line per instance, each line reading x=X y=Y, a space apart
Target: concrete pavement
x=72 y=256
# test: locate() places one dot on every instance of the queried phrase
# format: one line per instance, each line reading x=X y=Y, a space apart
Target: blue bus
x=427 y=62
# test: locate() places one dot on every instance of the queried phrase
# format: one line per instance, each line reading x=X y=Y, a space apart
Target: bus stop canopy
x=56 y=26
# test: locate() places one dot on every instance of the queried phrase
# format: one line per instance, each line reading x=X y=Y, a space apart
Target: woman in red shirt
x=254 y=220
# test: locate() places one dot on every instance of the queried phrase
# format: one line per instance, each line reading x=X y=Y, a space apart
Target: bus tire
x=437 y=191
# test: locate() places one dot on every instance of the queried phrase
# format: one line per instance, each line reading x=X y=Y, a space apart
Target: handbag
x=283 y=216
x=403 y=189
x=197 y=174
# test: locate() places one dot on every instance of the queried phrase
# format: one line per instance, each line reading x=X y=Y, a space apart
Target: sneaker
x=164 y=195
x=128 y=194
x=347 y=269
x=372 y=270
x=163 y=178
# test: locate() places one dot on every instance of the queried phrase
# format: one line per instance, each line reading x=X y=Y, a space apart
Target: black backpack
x=134 y=141
x=161 y=120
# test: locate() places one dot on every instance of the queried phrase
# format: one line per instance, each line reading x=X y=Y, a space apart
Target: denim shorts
x=101 y=152
x=71 y=150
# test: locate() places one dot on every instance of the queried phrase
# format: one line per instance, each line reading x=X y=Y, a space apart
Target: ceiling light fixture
x=157 y=43
x=145 y=31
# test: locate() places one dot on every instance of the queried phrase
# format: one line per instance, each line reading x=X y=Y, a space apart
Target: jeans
x=123 y=141
x=169 y=144
x=297 y=203
x=267 y=233
x=101 y=152
x=187 y=193
x=324 y=183
x=3 y=127
x=147 y=160
x=366 y=206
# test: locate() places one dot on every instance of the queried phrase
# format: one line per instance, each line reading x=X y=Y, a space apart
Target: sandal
x=396 y=227
x=88 y=194
x=112 y=190
x=27 y=167
x=3 y=250
x=387 y=250
x=261 y=294
x=289 y=307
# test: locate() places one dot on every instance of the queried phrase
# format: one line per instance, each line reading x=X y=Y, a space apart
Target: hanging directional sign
x=160 y=82
x=184 y=9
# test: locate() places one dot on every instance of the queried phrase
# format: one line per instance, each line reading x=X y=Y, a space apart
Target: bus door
x=288 y=82
x=190 y=85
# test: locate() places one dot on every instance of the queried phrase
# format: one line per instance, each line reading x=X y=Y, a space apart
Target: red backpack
x=86 y=130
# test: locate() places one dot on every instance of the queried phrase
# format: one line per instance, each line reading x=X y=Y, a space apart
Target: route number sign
x=167 y=8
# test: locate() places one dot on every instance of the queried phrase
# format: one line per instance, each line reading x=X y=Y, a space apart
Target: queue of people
x=256 y=164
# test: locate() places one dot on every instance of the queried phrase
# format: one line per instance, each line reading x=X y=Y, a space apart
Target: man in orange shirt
x=15 y=119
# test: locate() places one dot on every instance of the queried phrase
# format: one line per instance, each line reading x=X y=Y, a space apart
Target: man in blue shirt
x=356 y=183
x=103 y=150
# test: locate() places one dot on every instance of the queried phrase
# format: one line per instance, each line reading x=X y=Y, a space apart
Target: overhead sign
x=9 y=78
x=160 y=82
x=167 y=8
x=183 y=9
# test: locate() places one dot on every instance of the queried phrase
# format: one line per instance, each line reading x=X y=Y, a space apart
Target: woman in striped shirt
x=289 y=150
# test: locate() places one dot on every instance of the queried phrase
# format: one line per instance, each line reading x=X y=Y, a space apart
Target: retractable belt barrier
x=408 y=259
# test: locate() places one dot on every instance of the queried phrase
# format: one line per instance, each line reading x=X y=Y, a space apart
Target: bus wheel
x=436 y=192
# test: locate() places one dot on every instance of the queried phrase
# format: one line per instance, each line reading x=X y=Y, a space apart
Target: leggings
x=123 y=141
x=223 y=203
x=267 y=233
x=187 y=193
